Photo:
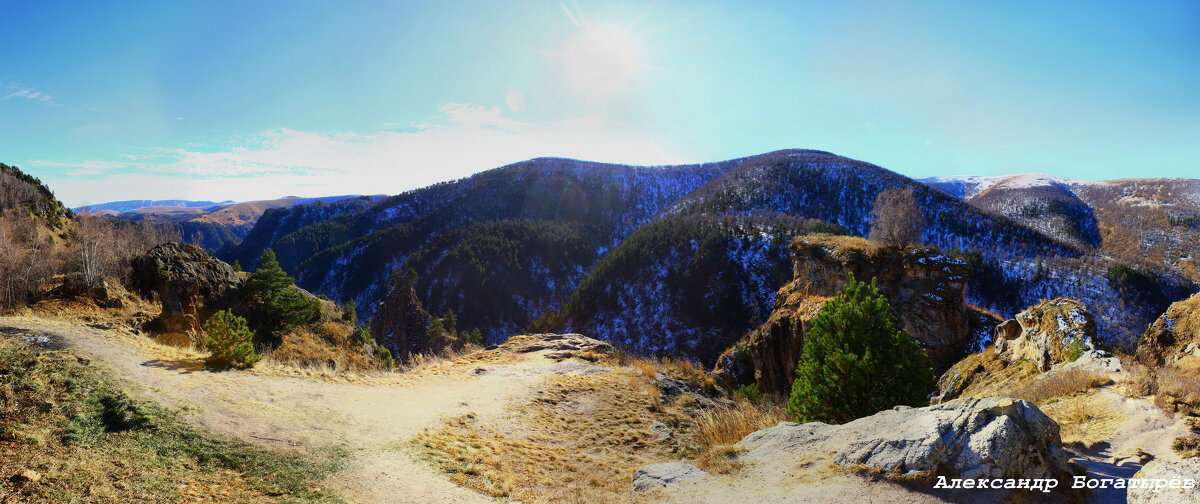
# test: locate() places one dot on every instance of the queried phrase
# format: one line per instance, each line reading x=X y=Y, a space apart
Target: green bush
x=856 y=362
x=274 y=304
x=384 y=357
x=229 y=339
x=751 y=394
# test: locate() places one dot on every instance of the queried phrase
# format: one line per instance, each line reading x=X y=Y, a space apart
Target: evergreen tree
x=351 y=312
x=856 y=362
x=274 y=304
x=228 y=339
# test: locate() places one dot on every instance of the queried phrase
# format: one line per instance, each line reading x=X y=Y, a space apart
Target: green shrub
x=751 y=394
x=363 y=336
x=384 y=357
x=856 y=362
x=229 y=341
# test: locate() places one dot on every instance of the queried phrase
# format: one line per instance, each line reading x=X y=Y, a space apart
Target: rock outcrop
x=660 y=475
x=1175 y=335
x=1052 y=332
x=560 y=346
x=1161 y=470
x=927 y=291
x=965 y=438
x=190 y=284
x=104 y=292
x=400 y=321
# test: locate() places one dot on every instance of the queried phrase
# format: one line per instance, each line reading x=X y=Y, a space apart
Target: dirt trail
x=1147 y=429
x=372 y=420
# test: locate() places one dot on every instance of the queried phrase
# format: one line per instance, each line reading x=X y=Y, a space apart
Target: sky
x=229 y=100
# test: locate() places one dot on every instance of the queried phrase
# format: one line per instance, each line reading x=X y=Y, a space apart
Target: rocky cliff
x=190 y=284
x=926 y=289
x=1175 y=335
x=400 y=321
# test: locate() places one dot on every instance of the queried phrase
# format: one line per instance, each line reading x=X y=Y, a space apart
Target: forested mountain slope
x=587 y=207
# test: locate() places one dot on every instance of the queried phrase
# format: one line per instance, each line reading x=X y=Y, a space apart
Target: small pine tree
x=228 y=339
x=856 y=362
x=274 y=304
x=450 y=322
x=237 y=266
x=435 y=332
x=350 y=314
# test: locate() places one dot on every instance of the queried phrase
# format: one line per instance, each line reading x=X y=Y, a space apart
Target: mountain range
x=685 y=259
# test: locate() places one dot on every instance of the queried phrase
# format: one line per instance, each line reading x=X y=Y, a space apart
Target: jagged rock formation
x=1175 y=335
x=400 y=321
x=1186 y=471
x=925 y=288
x=190 y=284
x=1052 y=332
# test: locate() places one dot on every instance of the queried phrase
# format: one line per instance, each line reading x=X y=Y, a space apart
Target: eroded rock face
x=965 y=438
x=1175 y=335
x=400 y=321
x=1052 y=332
x=190 y=284
x=1184 y=470
x=927 y=291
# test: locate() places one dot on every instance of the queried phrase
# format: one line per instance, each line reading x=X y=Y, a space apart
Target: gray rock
x=967 y=438
x=660 y=475
x=1187 y=469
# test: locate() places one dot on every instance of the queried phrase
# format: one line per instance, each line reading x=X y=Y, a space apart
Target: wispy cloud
x=12 y=90
x=464 y=139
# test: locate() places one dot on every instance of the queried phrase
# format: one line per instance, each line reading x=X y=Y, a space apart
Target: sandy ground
x=372 y=420
x=1147 y=430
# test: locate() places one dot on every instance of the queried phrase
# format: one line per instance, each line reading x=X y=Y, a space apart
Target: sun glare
x=599 y=63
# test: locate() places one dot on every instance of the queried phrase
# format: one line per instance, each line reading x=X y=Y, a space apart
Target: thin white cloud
x=467 y=139
x=27 y=93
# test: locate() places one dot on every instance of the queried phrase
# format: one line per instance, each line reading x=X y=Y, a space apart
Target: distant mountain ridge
x=128 y=205
x=633 y=243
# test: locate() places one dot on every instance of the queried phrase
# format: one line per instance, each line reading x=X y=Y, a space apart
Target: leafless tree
x=896 y=218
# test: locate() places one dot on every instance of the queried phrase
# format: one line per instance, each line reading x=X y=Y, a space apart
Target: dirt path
x=372 y=420
x=1148 y=430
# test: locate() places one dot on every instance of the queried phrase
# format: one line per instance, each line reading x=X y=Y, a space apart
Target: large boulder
x=1184 y=472
x=927 y=291
x=1052 y=332
x=1175 y=335
x=964 y=438
x=190 y=284
x=400 y=321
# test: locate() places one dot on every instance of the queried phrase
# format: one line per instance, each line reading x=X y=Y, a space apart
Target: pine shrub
x=856 y=362
x=229 y=340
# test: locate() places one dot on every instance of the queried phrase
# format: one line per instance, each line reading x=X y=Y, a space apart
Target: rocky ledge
x=965 y=438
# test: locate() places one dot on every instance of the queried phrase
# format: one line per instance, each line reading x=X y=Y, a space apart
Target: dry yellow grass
x=577 y=440
x=1086 y=419
x=1058 y=384
x=718 y=429
x=1186 y=446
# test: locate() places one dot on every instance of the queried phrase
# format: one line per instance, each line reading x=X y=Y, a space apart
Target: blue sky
x=254 y=100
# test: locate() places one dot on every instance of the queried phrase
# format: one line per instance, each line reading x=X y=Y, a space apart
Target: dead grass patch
x=718 y=429
x=1086 y=419
x=1186 y=446
x=579 y=439
x=1058 y=384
